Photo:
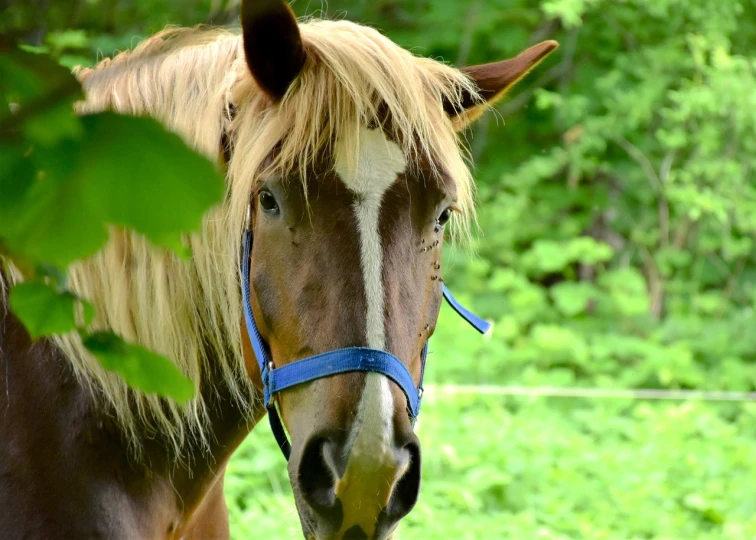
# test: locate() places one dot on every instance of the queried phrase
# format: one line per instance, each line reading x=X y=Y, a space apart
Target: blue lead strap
x=479 y=324
x=332 y=362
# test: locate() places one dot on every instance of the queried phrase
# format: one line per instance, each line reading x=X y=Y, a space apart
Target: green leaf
x=87 y=311
x=141 y=176
x=16 y=179
x=71 y=61
x=126 y=171
x=43 y=93
x=587 y=250
x=52 y=220
x=628 y=290
x=55 y=122
x=572 y=298
x=547 y=256
x=43 y=311
x=67 y=39
x=34 y=49
x=139 y=367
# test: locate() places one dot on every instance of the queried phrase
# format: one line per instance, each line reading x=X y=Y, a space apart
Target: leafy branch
x=65 y=180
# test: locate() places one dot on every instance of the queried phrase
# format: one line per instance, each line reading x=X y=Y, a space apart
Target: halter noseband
x=333 y=362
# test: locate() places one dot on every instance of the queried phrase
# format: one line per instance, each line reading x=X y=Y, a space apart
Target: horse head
x=347 y=216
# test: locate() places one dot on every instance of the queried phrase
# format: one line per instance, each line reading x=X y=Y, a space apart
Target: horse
x=344 y=169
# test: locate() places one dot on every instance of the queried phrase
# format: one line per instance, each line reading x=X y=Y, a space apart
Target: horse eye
x=268 y=202
x=443 y=219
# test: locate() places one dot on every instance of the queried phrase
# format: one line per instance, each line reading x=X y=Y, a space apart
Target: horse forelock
x=190 y=79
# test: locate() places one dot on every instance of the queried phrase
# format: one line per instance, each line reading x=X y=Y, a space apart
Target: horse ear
x=493 y=80
x=272 y=44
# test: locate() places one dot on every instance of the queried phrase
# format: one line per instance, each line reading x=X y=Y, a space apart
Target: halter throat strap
x=333 y=362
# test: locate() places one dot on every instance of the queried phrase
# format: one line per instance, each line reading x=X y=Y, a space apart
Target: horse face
x=352 y=261
x=351 y=257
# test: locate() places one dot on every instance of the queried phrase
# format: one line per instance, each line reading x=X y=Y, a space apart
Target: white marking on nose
x=378 y=163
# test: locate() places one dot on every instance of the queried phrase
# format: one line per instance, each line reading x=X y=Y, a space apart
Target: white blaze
x=378 y=163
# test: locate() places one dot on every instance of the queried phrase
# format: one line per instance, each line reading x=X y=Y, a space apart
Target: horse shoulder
x=210 y=519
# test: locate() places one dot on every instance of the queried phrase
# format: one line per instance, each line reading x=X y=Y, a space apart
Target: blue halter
x=333 y=362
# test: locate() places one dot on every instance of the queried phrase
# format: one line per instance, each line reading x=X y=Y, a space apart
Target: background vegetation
x=617 y=217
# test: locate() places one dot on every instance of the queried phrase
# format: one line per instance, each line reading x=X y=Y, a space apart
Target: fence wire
x=587 y=393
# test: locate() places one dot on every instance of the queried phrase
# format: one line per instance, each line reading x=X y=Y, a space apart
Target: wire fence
x=586 y=393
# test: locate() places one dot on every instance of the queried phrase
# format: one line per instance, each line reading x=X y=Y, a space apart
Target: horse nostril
x=316 y=475
x=322 y=468
x=405 y=493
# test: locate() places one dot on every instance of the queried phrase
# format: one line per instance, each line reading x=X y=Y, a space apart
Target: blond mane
x=189 y=78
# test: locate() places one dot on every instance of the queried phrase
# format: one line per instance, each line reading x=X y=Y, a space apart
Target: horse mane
x=192 y=80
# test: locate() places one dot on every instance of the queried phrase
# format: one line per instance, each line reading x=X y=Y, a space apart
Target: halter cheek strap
x=333 y=362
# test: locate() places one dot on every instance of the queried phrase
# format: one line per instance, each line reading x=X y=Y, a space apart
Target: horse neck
x=228 y=425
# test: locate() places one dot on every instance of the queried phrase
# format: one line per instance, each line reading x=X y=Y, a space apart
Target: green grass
x=544 y=468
